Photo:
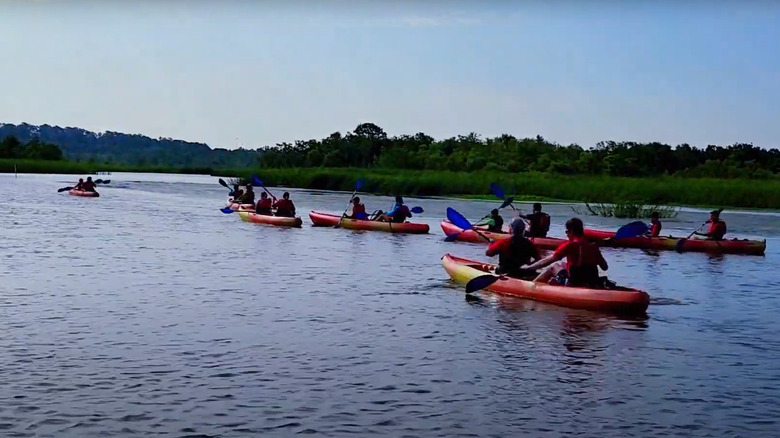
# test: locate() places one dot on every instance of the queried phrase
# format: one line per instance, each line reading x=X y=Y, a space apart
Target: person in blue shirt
x=397 y=214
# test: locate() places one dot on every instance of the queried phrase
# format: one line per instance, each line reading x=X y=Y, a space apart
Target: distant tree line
x=369 y=146
x=11 y=147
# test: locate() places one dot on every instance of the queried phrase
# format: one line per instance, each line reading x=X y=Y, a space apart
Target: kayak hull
x=622 y=301
x=734 y=246
x=83 y=193
x=239 y=207
x=471 y=236
x=278 y=221
x=329 y=220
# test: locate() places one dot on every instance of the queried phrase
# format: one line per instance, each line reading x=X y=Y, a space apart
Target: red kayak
x=278 y=221
x=734 y=246
x=471 y=236
x=330 y=220
x=620 y=300
x=84 y=193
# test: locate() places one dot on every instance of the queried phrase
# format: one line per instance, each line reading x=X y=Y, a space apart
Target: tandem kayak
x=734 y=246
x=239 y=207
x=620 y=300
x=330 y=220
x=279 y=221
x=471 y=236
x=84 y=193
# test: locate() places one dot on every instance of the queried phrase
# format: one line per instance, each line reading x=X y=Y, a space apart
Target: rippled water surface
x=149 y=312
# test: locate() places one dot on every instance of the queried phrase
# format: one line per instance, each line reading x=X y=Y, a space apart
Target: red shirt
x=579 y=253
x=717 y=230
x=264 y=203
x=284 y=205
x=88 y=185
x=498 y=247
x=359 y=208
x=655 y=228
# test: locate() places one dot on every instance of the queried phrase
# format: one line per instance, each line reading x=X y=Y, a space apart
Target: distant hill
x=132 y=149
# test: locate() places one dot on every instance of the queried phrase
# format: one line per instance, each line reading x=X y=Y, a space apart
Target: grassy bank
x=530 y=186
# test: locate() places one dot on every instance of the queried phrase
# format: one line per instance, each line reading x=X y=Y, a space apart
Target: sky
x=256 y=73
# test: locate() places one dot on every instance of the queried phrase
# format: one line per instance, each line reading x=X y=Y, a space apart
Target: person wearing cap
x=655 y=224
x=583 y=258
x=717 y=227
x=539 y=221
x=494 y=222
x=514 y=252
x=248 y=197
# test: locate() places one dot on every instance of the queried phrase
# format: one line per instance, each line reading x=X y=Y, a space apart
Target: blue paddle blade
x=417 y=210
x=358 y=185
x=451 y=237
x=481 y=282
x=257 y=181
x=226 y=210
x=633 y=229
x=496 y=190
x=507 y=201
x=458 y=220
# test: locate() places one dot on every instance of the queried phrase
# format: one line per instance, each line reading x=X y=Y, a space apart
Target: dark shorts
x=524 y=274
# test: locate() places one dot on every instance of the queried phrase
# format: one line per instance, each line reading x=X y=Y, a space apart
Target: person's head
x=714 y=215
x=356 y=200
x=249 y=187
x=517 y=227
x=89 y=179
x=494 y=212
x=235 y=187
x=655 y=216
x=399 y=200
x=537 y=207
x=81 y=180
x=286 y=195
x=264 y=195
x=574 y=228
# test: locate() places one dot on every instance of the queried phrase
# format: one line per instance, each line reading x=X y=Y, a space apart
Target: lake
x=148 y=312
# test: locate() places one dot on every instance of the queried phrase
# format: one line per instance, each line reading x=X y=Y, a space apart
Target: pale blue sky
x=266 y=72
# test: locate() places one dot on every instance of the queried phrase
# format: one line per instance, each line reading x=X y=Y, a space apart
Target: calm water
x=149 y=312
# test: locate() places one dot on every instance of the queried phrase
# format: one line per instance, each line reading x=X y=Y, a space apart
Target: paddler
x=539 y=221
x=494 y=222
x=398 y=214
x=248 y=197
x=264 y=205
x=88 y=185
x=285 y=207
x=80 y=185
x=514 y=252
x=717 y=227
x=358 y=209
x=583 y=258
x=237 y=192
x=655 y=224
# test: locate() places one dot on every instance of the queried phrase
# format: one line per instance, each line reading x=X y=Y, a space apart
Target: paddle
x=481 y=282
x=100 y=181
x=358 y=185
x=258 y=182
x=496 y=190
x=97 y=181
x=681 y=243
x=632 y=229
x=461 y=222
x=64 y=188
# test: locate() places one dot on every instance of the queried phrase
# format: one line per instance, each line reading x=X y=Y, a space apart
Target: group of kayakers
x=518 y=257
x=268 y=206
x=86 y=186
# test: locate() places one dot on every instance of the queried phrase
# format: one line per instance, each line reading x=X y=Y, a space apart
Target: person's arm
x=496 y=247
x=550 y=259
x=602 y=262
x=485 y=221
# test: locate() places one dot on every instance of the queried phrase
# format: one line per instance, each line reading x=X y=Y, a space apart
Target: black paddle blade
x=451 y=237
x=106 y=181
x=223 y=183
x=507 y=201
x=481 y=282
x=64 y=189
x=680 y=245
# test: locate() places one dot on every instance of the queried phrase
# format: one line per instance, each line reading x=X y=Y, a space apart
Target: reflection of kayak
x=735 y=246
x=471 y=236
x=85 y=193
x=327 y=219
x=247 y=216
x=620 y=300
x=240 y=207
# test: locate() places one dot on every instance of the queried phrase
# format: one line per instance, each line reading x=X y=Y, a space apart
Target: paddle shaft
x=345 y=210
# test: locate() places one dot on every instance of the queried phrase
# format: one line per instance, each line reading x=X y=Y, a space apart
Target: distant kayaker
x=539 y=221
x=583 y=258
x=398 y=214
x=285 y=207
x=514 y=252
x=88 y=185
x=248 y=197
x=717 y=227
x=264 y=205
x=358 y=209
x=655 y=224
x=494 y=222
x=80 y=185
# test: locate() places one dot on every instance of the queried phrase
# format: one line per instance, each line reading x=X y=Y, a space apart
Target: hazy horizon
x=266 y=72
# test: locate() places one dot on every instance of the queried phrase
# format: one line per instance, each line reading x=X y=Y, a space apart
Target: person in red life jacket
x=264 y=205
x=80 y=185
x=248 y=197
x=717 y=227
x=358 y=210
x=88 y=185
x=655 y=224
x=539 y=221
x=285 y=207
x=583 y=258
x=514 y=252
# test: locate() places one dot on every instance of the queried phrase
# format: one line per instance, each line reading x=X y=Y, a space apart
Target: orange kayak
x=330 y=220
x=471 y=236
x=279 y=221
x=84 y=193
x=620 y=300
x=734 y=246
